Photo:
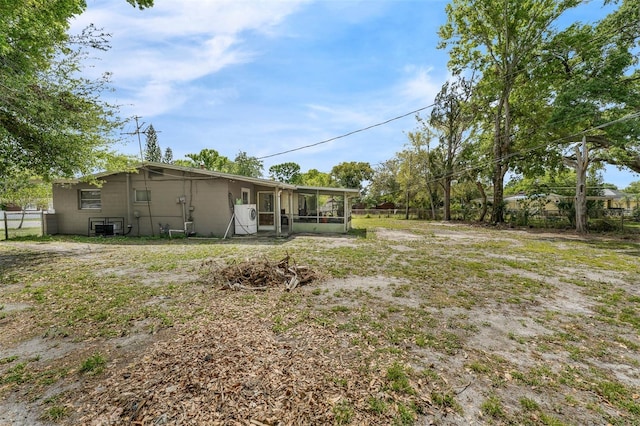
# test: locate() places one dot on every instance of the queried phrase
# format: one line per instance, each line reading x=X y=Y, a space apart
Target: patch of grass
x=444 y=400
x=398 y=379
x=529 y=404
x=95 y=364
x=8 y=359
x=406 y=416
x=492 y=407
x=17 y=374
x=376 y=405
x=343 y=413
x=478 y=367
x=55 y=413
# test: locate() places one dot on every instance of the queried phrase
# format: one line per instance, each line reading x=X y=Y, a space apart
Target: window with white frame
x=90 y=199
x=142 y=196
x=246 y=196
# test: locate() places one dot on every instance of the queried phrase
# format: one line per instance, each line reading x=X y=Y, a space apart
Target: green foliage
x=633 y=188
x=316 y=178
x=352 y=174
x=168 y=156
x=152 y=151
x=286 y=172
x=500 y=40
x=210 y=159
x=52 y=121
x=245 y=165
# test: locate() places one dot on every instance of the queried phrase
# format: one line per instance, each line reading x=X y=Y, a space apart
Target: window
x=90 y=199
x=246 y=196
x=142 y=196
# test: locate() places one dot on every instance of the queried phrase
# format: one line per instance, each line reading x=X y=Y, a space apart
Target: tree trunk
x=22 y=218
x=483 y=213
x=433 y=207
x=582 y=163
x=447 y=197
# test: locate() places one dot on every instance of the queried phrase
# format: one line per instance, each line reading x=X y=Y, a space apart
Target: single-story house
x=536 y=204
x=161 y=198
x=617 y=200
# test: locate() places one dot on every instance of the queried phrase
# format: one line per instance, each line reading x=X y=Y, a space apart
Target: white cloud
x=159 y=49
x=420 y=86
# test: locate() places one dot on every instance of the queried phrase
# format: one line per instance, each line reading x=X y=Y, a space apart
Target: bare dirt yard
x=405 y=322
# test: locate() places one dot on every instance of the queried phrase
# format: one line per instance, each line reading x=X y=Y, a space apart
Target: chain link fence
x=15 y=224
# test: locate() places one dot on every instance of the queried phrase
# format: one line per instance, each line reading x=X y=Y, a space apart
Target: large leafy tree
x=314 y=177
x=596 y=82
x=502 y=40
x=246 y=165
x=451 y=119
x=209 y=159
x=352 y=174
x=52 y=122
x=288 y=172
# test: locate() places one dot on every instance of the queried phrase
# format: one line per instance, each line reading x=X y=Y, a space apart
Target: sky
x=264 y=77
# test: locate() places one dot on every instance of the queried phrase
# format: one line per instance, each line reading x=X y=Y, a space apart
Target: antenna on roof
x=144 y=176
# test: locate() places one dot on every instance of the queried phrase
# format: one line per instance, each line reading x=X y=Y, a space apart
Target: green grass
x=95 y=364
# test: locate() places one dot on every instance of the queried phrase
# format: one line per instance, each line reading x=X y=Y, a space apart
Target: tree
x=314 y=177
x=245 y=165
x=22 y=190
x=633 y=188
x=451 y=118
x=352 y=174
x=152 y=151
x=596 y=88
x=209 y=159
x=52 y=122
x=501 y=39
x=168 y=156
x=384 y=186
x=285 y=172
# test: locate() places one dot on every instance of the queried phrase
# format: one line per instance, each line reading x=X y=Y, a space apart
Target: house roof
x=215 y=174
x=204 y=172
x=518 y=197
x=328 y=189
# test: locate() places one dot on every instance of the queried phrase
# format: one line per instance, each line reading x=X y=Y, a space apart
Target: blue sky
x=269 y=76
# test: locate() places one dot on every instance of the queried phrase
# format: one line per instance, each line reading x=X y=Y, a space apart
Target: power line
x=347 y=134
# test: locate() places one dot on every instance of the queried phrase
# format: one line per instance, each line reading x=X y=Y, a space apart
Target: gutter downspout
x=129 y=219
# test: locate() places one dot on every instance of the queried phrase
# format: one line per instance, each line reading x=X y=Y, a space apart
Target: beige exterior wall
x=177 y=196
x=205 y=203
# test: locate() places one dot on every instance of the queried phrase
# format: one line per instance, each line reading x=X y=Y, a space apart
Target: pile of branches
x=263 y=274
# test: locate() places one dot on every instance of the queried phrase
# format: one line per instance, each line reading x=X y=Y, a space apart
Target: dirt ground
x=413 y=324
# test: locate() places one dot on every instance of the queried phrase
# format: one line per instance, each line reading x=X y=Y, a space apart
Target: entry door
x=266 y=211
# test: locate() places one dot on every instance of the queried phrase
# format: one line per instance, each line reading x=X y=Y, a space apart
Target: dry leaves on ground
x=238 y=371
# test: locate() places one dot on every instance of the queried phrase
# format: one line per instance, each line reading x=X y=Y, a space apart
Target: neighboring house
x=617 y=200
x=613 y=200
x=536 y=204
x=164 y=198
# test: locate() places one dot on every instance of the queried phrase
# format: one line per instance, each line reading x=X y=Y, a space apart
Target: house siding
x=177 y=195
